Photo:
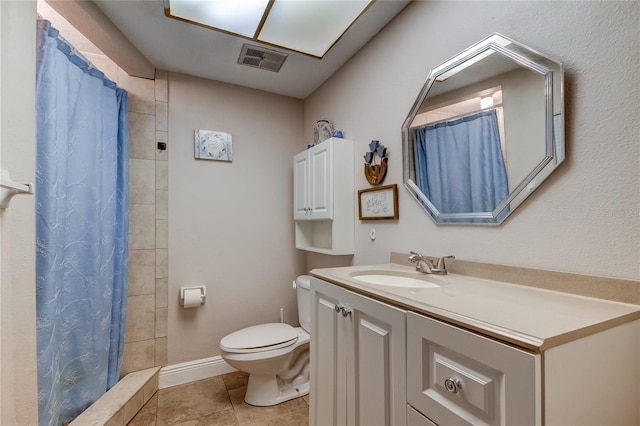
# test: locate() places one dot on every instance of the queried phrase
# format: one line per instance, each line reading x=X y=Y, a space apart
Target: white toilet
x=275 y=355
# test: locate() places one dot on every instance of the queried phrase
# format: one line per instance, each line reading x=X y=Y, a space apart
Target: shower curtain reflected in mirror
x=82 y=220
x=459 y=164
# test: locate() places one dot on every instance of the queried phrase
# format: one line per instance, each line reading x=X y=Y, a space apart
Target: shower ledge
x=121 y=403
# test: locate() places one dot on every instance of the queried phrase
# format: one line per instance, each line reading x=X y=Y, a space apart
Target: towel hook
x=9 y=188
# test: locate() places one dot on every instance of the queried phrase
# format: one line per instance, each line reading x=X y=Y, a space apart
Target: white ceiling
x=177 y=46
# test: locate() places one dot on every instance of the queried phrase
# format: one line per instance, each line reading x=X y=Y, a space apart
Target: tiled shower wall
x=146 y=326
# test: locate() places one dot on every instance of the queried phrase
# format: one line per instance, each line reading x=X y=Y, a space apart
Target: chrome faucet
x=429 y=266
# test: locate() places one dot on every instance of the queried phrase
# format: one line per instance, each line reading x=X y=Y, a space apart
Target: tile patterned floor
x=218 y=401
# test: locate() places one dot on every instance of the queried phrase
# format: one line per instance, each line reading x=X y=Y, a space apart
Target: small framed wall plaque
x=212 y=145
x=378 y=203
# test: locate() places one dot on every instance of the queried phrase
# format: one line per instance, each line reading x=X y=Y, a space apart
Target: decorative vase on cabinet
x=323 y=197
x=322 y=131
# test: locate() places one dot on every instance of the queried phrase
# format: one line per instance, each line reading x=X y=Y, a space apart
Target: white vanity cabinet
x=357 y=359
x=323 y=197
x=467 y=351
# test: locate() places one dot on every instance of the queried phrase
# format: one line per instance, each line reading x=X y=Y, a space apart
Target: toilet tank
x=303 y=282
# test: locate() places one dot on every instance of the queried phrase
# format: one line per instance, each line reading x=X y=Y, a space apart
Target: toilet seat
x=259 y=338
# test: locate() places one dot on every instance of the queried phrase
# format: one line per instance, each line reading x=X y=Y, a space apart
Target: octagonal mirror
x=484 y=132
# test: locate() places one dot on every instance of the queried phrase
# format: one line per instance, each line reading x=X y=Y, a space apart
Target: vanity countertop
x=532 y=318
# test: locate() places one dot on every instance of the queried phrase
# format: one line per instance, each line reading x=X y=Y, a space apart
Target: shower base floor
x=118 y=406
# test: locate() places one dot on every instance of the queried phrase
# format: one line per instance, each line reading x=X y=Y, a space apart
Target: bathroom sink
x=394 y=281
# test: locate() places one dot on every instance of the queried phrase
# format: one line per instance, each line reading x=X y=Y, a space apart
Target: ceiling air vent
x=259 y=57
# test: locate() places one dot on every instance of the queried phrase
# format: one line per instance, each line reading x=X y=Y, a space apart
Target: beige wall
x=524 y=123
x=586 y=217
x=18 y=391
x=231 y=226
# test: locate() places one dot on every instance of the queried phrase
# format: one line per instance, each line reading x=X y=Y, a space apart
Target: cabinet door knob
x=342 y=309
x=452 y=385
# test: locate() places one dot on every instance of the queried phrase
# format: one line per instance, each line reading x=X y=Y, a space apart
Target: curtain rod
x=456 y=117
x=72 y=49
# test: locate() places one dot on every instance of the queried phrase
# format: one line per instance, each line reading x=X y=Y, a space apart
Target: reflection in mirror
x=485 y=131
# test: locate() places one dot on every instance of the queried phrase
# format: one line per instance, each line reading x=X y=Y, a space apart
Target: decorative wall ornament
x=375 y=171
x=212 y=145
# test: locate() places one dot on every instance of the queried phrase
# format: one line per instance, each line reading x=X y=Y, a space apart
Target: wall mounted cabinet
x=323 y=197
x=357 y=359
x=313 y=189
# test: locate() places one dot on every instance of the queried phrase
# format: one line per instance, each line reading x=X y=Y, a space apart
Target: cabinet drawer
x=414 y=418
x=458 y=377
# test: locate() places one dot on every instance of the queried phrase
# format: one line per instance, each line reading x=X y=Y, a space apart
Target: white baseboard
x=186 y=372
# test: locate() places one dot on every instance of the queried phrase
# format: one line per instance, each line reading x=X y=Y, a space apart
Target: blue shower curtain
x=459 y=164
x=82 y=200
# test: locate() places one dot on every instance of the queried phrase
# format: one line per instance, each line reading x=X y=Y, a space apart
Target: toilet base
x=264 y=390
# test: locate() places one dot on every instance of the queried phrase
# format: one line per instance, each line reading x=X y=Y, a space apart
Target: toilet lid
x=259 y=338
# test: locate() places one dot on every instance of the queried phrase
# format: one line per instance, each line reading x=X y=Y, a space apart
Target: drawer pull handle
x=339 y=308
x=452 y=385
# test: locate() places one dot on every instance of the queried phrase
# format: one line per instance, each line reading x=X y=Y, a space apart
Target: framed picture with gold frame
x=380 y=202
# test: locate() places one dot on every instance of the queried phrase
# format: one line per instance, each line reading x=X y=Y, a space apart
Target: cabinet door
x=358 y=367
x=376 y=363
x=301 y=209
x=328 y=397
x=320 y=181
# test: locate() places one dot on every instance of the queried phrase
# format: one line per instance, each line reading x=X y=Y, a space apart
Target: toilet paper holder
x=203 y=293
